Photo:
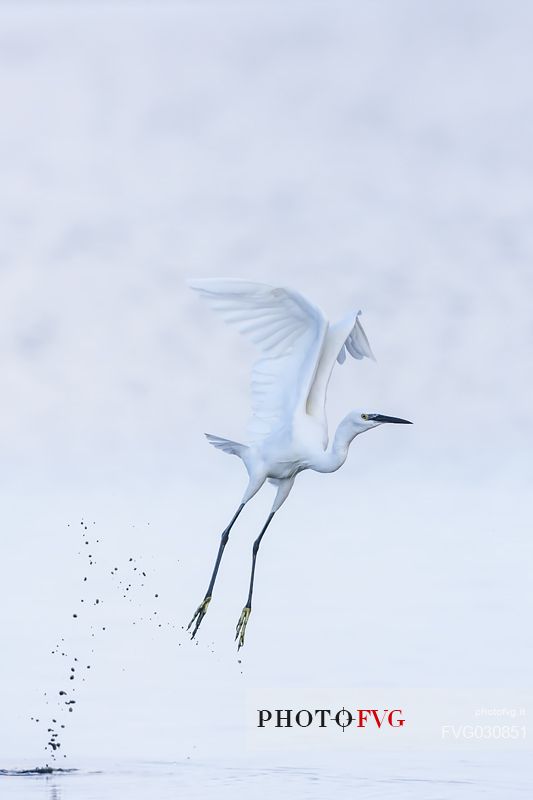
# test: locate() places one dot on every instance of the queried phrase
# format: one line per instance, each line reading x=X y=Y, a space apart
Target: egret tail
x=227 y=445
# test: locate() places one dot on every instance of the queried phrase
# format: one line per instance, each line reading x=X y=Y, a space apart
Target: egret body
x=288 y=430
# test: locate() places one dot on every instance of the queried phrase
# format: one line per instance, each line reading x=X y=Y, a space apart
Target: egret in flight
x=288 y=430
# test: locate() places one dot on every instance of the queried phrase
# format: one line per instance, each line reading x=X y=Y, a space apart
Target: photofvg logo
x=387 y=718
x=325 y=717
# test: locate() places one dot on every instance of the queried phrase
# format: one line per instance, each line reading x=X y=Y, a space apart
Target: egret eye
x=364 y=416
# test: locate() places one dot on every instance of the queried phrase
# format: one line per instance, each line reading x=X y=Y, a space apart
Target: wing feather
x=342 y=337
x=356 y=342
x=288 y=330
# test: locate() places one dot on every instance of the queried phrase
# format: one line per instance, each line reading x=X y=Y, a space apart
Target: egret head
x=367 y=421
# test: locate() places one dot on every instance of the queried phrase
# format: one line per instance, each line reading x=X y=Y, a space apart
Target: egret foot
x=199 y=614
x=241 y=626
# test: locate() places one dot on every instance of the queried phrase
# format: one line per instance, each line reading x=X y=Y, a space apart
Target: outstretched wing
x=288 y=330
x=356 y=342
x=342 y=337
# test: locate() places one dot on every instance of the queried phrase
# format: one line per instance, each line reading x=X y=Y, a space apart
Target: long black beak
x=383 y=418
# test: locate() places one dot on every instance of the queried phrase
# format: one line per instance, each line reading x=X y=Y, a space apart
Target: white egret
x=288 y=429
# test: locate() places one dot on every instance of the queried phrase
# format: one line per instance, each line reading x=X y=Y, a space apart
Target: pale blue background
x=374 y=155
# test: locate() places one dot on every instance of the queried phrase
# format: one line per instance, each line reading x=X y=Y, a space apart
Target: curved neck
x=336 y=455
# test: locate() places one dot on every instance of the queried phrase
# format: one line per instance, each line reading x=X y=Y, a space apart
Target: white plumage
x=298 y=348
x=288 y=430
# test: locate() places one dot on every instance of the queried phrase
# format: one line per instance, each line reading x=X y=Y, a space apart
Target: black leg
x=241 y=625
x=200 y=612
